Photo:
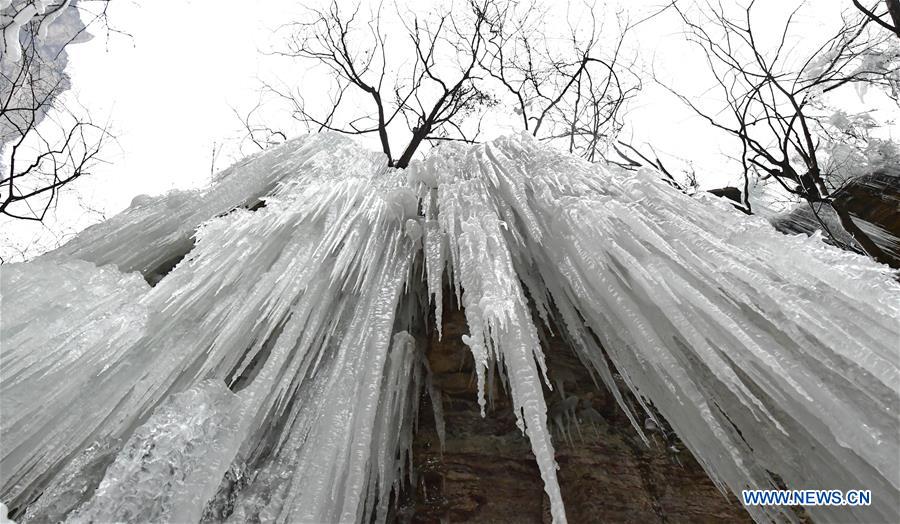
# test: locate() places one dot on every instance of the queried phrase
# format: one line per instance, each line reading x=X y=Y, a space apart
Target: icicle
x=650 y=270
x=767 y=354
x=258 y=302
x=148 y=234
x=437 y=405
x=496 y=311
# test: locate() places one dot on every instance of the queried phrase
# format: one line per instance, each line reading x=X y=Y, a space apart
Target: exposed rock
x=487 y=473
x=873 y=205
x=731 y=193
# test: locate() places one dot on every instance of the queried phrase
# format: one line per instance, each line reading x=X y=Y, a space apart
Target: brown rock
x=487 y=473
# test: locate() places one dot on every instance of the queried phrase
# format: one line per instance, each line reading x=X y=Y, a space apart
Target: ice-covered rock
x=271 y=373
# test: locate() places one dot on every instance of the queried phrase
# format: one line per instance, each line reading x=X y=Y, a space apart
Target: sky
x=169 y=84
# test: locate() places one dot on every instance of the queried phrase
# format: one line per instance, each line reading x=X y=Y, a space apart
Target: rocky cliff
x=486 y=471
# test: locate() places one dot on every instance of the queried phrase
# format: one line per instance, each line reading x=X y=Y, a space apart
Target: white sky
x=168 y=92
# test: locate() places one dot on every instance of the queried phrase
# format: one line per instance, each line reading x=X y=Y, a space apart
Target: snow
x=13 y=18
x=11 y=30
x=274 y=373
x=50 y=18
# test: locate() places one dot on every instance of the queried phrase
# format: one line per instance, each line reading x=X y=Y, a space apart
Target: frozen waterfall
x=272 y=371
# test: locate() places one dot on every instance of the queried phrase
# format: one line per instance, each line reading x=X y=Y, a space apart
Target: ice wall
x=273 y=374
x=766 y=353
x=292 y=306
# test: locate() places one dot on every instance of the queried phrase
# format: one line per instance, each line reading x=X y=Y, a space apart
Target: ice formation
x=272 y=371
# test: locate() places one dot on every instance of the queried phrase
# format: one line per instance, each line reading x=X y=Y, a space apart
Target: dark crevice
x=155 y=275
x=259 y=204
x=252 y=205
x=238 y=382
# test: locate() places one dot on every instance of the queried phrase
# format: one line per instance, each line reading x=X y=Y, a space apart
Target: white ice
x=274 y=373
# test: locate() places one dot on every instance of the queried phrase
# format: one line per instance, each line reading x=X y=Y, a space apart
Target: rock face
x=487 y=473
x=875 y=198
x=873 y=204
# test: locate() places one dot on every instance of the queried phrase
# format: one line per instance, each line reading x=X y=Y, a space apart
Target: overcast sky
x=168 y=90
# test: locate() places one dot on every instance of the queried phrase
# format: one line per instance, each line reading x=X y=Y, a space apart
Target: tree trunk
x=894 y=10
x=418 y=136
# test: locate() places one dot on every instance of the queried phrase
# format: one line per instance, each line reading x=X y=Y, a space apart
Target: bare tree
x=434 y=87
x=631 y=158
x=46 y=145
x=564 y=87
x=773 y=99
x=459 y=65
